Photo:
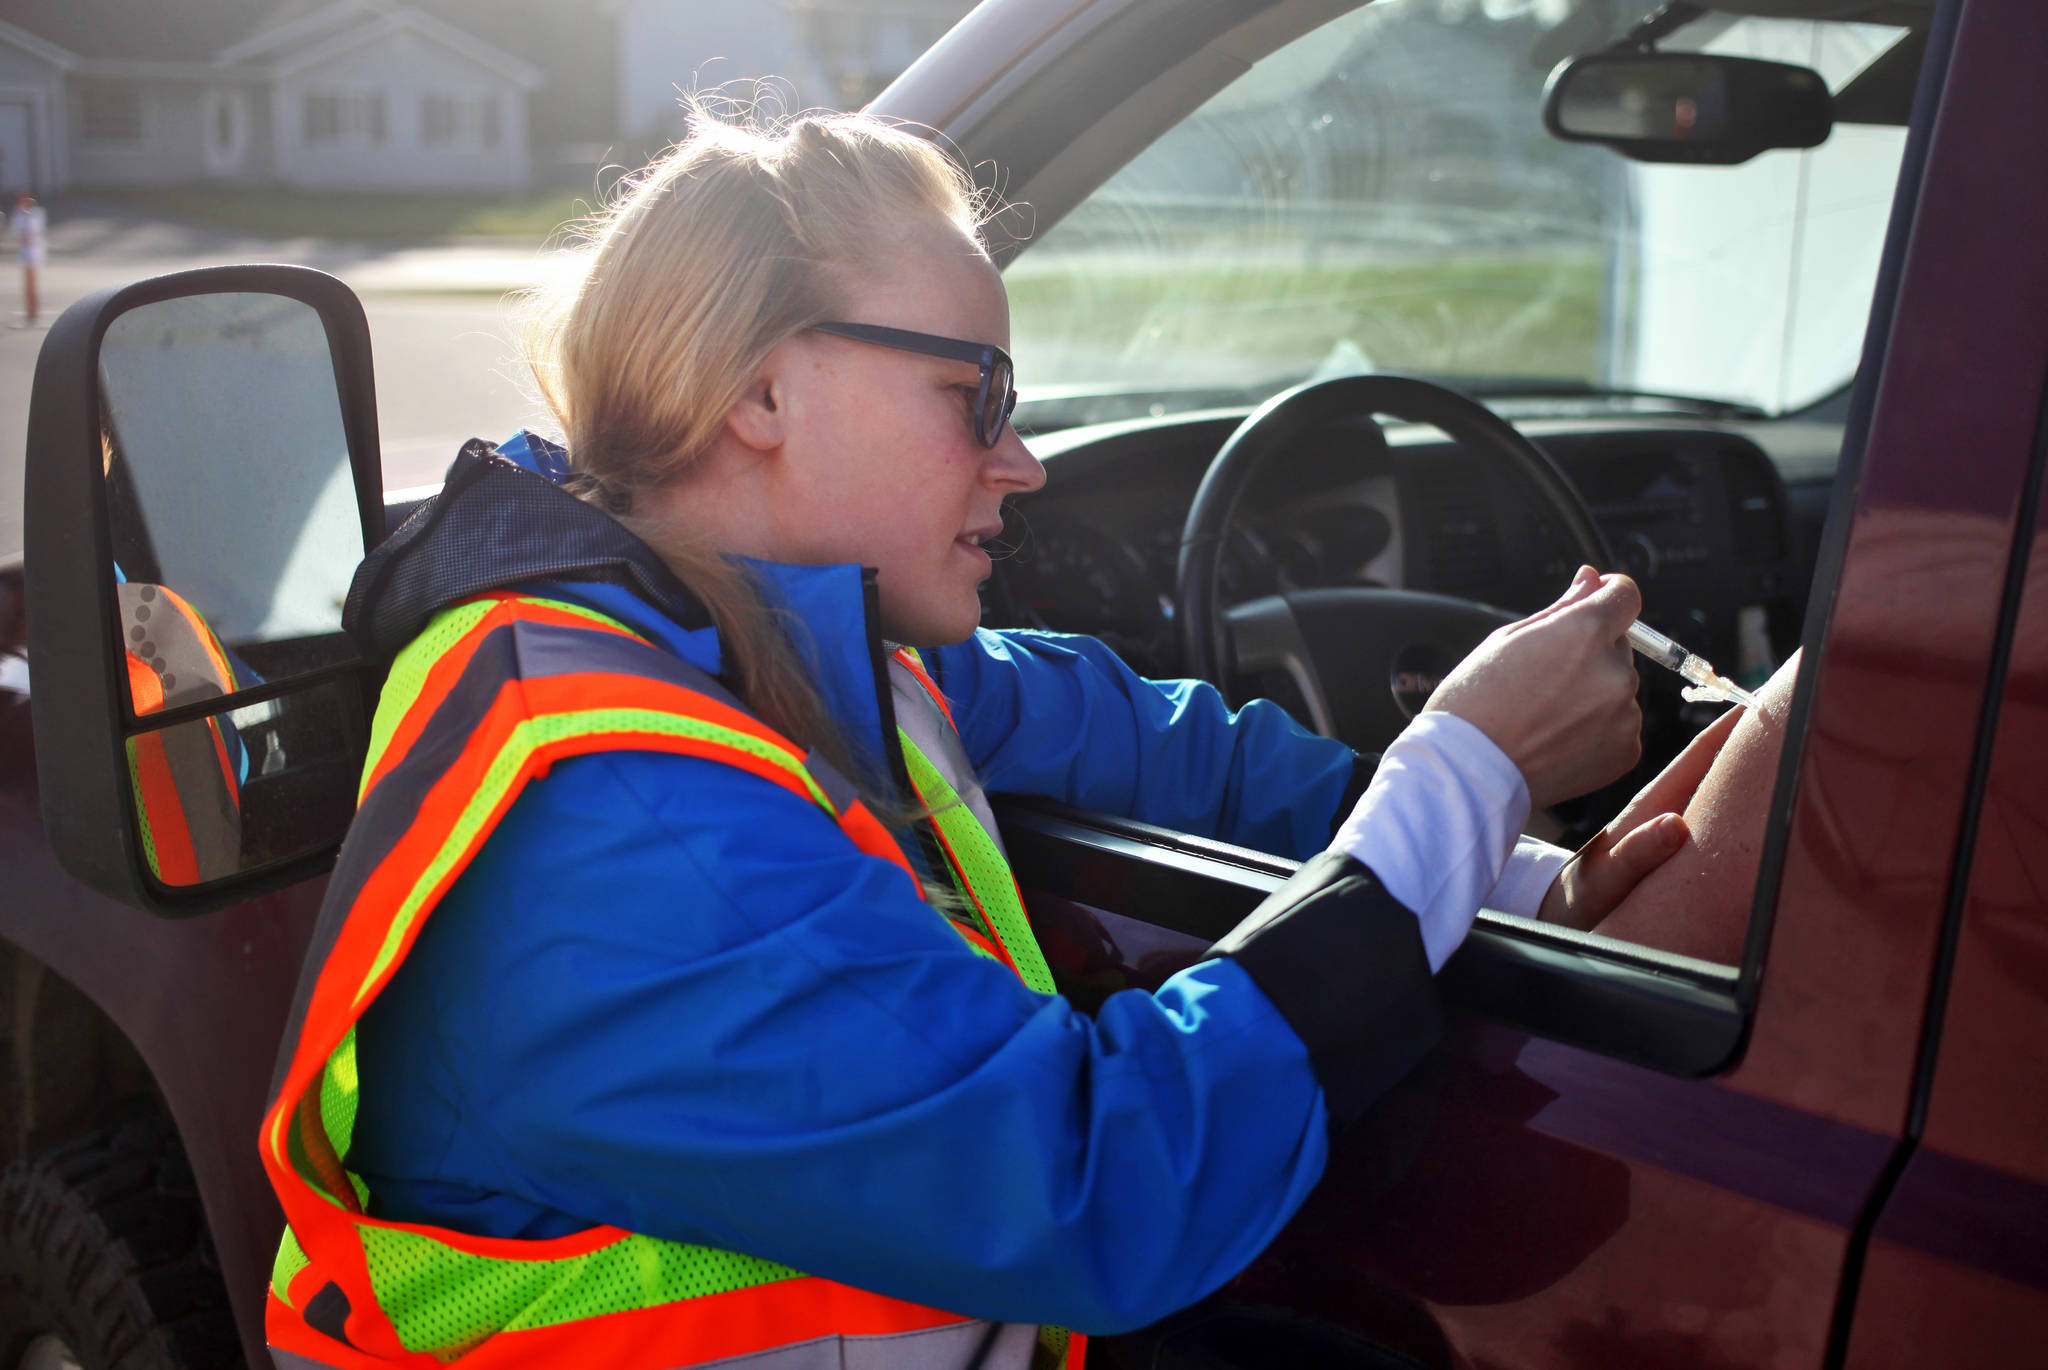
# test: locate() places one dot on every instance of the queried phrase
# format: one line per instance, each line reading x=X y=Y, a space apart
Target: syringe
x=1702 y=682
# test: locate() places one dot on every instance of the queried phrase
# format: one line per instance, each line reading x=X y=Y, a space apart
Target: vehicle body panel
x=203 y=1000
x=1957 y=1271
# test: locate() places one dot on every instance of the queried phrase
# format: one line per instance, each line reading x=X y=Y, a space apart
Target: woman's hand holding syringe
x=1556 y=691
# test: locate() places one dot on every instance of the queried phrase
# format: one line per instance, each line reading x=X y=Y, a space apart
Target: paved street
x=446 y=365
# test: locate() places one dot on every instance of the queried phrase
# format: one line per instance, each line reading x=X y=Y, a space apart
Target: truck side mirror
x=1687 y=106
x=202 y=479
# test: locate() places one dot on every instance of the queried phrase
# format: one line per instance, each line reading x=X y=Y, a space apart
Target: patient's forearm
x=1698 y=902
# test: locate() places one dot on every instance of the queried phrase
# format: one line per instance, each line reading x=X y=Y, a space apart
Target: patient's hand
x=1697 y=903
x=1642 y=837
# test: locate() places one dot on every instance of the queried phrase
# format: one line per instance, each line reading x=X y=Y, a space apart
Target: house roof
x=136 y=37
x=306 y=37
x=186 y=31
x=42 y=48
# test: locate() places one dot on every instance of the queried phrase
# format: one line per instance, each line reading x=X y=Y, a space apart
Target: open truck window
x=1381 y=195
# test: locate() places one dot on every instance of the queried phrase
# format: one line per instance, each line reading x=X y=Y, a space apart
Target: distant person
x=28 y=223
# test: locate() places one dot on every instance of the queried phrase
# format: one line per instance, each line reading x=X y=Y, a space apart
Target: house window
x=345 y=116
x=437 y=119
x=110 y=111
x=323 y=118
x=470 y=120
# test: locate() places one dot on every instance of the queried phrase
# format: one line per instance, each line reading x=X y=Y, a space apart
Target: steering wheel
x=1365 y=660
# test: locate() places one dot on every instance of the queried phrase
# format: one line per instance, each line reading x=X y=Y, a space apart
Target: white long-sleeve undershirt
x=1439 y=825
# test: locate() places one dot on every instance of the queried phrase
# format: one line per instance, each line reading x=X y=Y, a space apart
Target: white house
x=343 y=94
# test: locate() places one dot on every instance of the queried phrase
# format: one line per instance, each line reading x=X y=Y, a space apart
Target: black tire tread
x=104 y=1243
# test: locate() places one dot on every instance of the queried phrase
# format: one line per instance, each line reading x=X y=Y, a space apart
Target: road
x=447 y=367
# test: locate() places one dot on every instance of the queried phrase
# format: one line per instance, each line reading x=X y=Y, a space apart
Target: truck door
x=1957 y=1268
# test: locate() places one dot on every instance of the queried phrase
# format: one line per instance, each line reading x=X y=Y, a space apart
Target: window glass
x=345 y=116
x=437 y=119
x=1381 y=195
x=1752 y=282
x=462 y=120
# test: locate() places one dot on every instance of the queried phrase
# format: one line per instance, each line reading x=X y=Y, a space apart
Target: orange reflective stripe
x=145 y=687
x=227 y=765
x=571 y=1244
x=286 y=1330
x=341 y=984
x=868 y=834
x=914 y=664
x=448 y=668
x=305 y=1284
x=320 y=1152
x=176 y=861
x=994 y=949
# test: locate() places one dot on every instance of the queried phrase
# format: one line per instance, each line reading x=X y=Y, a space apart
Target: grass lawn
x=271 y=212
x=1475 y=315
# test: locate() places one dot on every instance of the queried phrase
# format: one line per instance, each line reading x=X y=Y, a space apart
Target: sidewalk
x=110 y=246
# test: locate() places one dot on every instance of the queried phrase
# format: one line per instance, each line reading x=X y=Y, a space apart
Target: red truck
x=1754 y=302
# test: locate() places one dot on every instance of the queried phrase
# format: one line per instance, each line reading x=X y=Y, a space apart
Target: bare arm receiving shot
x=1716 y=794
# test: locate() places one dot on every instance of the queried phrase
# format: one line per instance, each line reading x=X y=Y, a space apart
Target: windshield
x=1380 y=195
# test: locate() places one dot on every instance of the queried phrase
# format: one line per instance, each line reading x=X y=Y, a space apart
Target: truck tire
x=105 y=1262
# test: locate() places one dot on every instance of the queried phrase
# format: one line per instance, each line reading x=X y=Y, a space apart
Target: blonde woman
x=672 y=1003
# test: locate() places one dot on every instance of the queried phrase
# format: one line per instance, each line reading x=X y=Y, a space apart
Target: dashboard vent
x=1456 y=516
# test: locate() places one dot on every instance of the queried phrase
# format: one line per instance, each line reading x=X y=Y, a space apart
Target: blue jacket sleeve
x=747 y=1034
x=1062 y=716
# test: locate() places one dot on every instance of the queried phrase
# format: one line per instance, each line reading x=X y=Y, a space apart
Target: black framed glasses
x=998 y=394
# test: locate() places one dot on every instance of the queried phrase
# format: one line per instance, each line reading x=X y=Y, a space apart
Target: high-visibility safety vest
x=493 y=692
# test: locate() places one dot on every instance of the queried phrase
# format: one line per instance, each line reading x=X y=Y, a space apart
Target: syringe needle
x=1720 y=692
x=1738 y=694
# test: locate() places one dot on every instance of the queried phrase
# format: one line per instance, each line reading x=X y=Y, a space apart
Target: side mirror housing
x=203 y=477
x=1687 y=106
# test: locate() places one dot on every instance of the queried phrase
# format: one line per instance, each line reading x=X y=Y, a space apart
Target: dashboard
x=1700 y=513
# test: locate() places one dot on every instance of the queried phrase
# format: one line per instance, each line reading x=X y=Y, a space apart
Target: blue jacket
x=672 y=997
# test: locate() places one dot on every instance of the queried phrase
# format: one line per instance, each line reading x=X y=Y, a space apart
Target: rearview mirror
x=1687 y=106
x=203 y=478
